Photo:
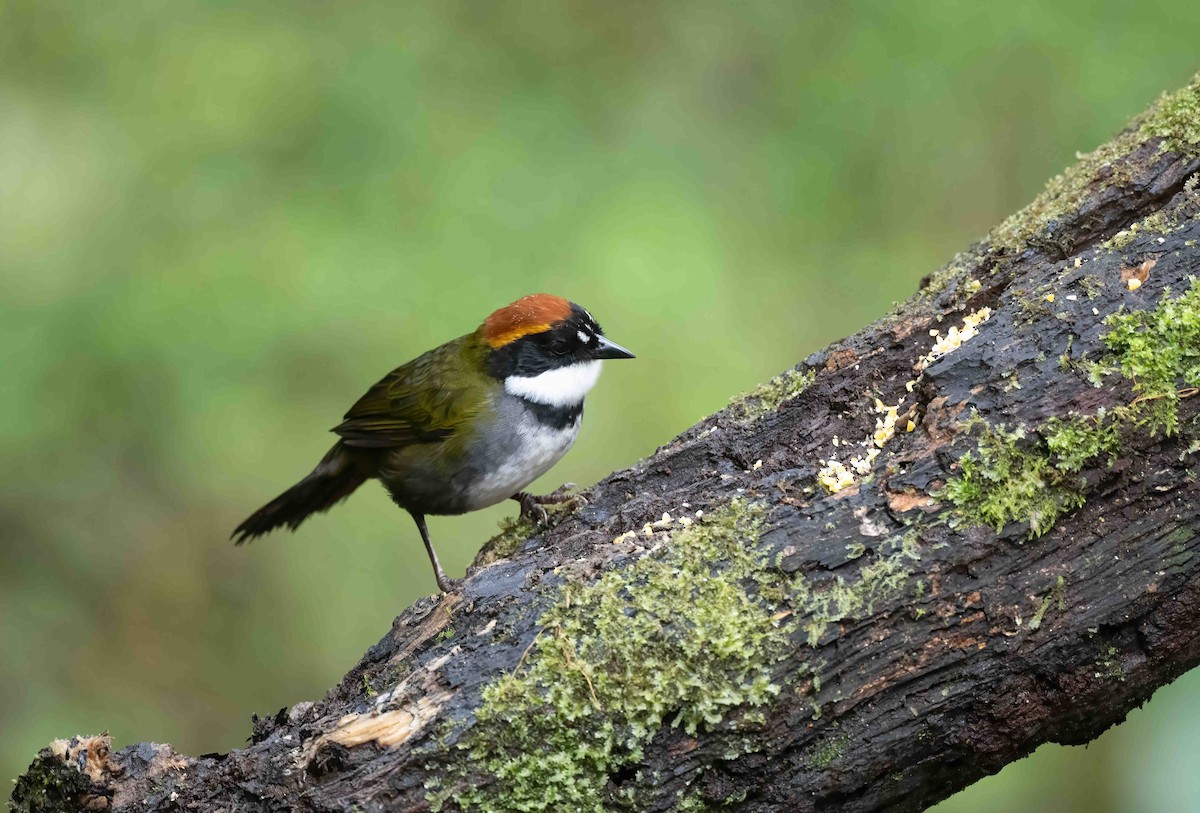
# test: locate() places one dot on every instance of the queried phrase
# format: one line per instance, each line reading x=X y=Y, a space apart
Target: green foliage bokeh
x=220 y=222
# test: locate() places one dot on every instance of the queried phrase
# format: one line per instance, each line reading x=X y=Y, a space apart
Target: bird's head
x=547 y=349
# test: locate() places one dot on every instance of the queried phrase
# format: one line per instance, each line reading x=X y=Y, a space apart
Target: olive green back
x=430 y=399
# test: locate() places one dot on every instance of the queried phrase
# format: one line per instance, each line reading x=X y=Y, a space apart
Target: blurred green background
x=220 y=222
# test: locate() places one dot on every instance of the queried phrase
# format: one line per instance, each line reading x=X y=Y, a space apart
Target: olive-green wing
x=427 y=400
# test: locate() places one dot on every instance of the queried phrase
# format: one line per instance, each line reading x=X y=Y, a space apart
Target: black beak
x=611 y=350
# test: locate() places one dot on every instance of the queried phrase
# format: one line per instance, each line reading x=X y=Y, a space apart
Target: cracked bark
x=936 y=685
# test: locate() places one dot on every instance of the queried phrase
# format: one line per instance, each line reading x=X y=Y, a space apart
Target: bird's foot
x=446 y=584
x=532 y=509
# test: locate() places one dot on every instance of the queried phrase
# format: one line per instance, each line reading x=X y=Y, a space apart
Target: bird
x=463 y=426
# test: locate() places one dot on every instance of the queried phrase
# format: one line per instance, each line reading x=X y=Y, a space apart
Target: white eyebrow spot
x=583 y=337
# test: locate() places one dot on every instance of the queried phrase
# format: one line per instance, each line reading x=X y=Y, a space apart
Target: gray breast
x=519 y=447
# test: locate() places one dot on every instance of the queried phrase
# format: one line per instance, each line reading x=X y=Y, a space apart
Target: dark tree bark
x=1016 y=566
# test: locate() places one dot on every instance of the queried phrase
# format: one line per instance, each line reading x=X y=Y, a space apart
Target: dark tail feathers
x=333 y=480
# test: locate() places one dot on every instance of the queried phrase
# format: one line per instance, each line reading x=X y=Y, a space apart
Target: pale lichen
x=953 y=338
x=835 y=476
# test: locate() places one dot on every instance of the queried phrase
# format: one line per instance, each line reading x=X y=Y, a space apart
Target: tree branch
x=889 y=572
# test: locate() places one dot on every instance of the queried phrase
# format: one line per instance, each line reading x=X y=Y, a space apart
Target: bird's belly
x=535 y=450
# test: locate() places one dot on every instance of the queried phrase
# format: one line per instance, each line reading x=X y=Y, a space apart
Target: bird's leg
x=531 y=504
x=444 y=582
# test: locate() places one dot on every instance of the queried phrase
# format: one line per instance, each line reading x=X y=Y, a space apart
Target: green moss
x=1077 y=441
x=49 y=785
x=1056 y=594
x=1110 y=666
x=516 y=529
x=1013 y=382
x=687 y=636
x=381 y=680
x=1009 y=479
x=1032 y=306
x=817 y=608
x=828 y=750
x=1062 y=196
x=513 y=531
x=1092 y=285
x=1158 y=350
x=681 y=637
x=766 y=398
x=955 y=272
x=1175 y=118
x=1156 y=223
x=1181 y=536
x=695 y=802
x=1173 y=217
x=1065 y=362
x=1012 y=478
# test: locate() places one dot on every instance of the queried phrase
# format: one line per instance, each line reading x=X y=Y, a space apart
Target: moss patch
x=48 y=786
x=766 y=398
x=516 y=529
x=955 y=272
x=1009 y=479
x=687 y=636
x=1056 y=595
x=1175 y=118
x=1063 y=194
x=1110 y=666
x=1032 y=306
x=1014 y=478
x=817 y=608
x=1156 y=223
x=513 y=531
x=828 y=750
x=1077 y=441
x=1158 y=350
x=681 y=637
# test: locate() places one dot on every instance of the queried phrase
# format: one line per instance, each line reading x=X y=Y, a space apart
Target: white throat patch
x=560 y=387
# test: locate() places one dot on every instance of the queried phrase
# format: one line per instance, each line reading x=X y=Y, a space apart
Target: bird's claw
x=559 y=495
x=532 y=509
x=446 y=584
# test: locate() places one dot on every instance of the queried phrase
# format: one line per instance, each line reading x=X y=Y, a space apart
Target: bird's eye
x=560 y=346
